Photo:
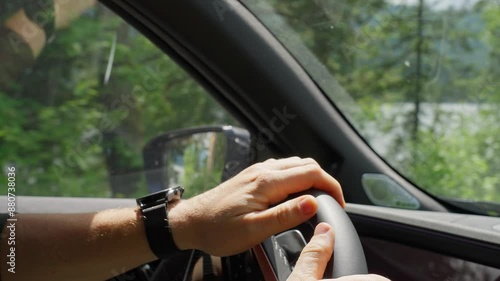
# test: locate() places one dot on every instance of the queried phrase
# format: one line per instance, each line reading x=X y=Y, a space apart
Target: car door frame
x=252 y=75
x=238 y=60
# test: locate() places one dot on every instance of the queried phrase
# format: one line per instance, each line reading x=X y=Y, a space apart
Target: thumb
x=315 y=255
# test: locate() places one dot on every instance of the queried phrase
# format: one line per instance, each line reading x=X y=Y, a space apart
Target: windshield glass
x=417 y=79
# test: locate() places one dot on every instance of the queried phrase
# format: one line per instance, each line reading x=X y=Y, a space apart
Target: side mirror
x=195 y=158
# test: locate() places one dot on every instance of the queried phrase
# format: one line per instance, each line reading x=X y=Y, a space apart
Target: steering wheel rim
x=348 y=257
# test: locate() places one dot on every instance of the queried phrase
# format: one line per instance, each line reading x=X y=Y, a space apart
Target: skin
x=98 y=246
x=315 y=256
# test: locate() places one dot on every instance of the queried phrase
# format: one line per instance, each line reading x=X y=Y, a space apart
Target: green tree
x=76 y=121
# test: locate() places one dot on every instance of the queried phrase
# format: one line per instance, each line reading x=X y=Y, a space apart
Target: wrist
x=156 y=220
x=182 y=225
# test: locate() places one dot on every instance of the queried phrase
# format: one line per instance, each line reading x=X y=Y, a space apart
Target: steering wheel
x=277 y=255
x=348 y=259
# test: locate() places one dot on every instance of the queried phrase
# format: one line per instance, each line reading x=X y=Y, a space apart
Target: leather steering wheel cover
x=349 y=257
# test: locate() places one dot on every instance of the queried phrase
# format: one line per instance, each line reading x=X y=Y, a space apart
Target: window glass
x=81 y=93
x=417 y=79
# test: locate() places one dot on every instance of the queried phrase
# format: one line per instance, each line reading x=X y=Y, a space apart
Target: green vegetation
x=71 y=132
x=421 y=80
x=420 y=84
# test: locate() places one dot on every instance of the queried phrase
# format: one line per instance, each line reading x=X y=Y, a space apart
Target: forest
x=418 y=81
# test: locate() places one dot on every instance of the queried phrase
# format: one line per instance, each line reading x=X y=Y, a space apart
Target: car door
x=268 y=60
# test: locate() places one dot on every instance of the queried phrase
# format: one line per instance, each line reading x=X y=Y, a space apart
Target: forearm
x=77 y=246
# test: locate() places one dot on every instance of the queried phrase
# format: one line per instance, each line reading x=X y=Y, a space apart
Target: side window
x=81 y=93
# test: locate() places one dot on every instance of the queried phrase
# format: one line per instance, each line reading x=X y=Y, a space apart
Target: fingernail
x=322 y=228
x=307 y=206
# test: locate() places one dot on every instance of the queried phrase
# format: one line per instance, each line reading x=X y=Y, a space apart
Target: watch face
x=168 y=195
x=174 y=193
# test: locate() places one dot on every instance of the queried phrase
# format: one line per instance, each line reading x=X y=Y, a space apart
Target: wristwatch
x=154 y=208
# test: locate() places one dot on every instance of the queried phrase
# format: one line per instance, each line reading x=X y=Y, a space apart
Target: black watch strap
x=154 y=208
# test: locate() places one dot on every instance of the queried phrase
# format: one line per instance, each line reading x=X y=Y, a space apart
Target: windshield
x=417 y=79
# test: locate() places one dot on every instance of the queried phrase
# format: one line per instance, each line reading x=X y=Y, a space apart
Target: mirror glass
x=195 y=162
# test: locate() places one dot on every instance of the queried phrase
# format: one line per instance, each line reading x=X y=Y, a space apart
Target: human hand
x=315 y=256
x=240 y=213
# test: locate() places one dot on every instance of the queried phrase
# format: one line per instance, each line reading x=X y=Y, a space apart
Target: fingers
x=302 y=178
x=315 y=255
x=286 y=215
x=368 y=277
x=242 y=204
x=279 y=184
x=286 y=163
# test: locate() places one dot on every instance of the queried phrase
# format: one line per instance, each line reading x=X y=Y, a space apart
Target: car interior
x=280 y=98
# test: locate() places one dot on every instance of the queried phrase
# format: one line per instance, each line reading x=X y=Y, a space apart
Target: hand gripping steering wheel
x=281 y=250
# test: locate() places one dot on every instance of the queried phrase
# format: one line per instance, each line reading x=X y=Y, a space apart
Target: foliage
x=71 y=132
x=419 y=83
x=404 y=66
